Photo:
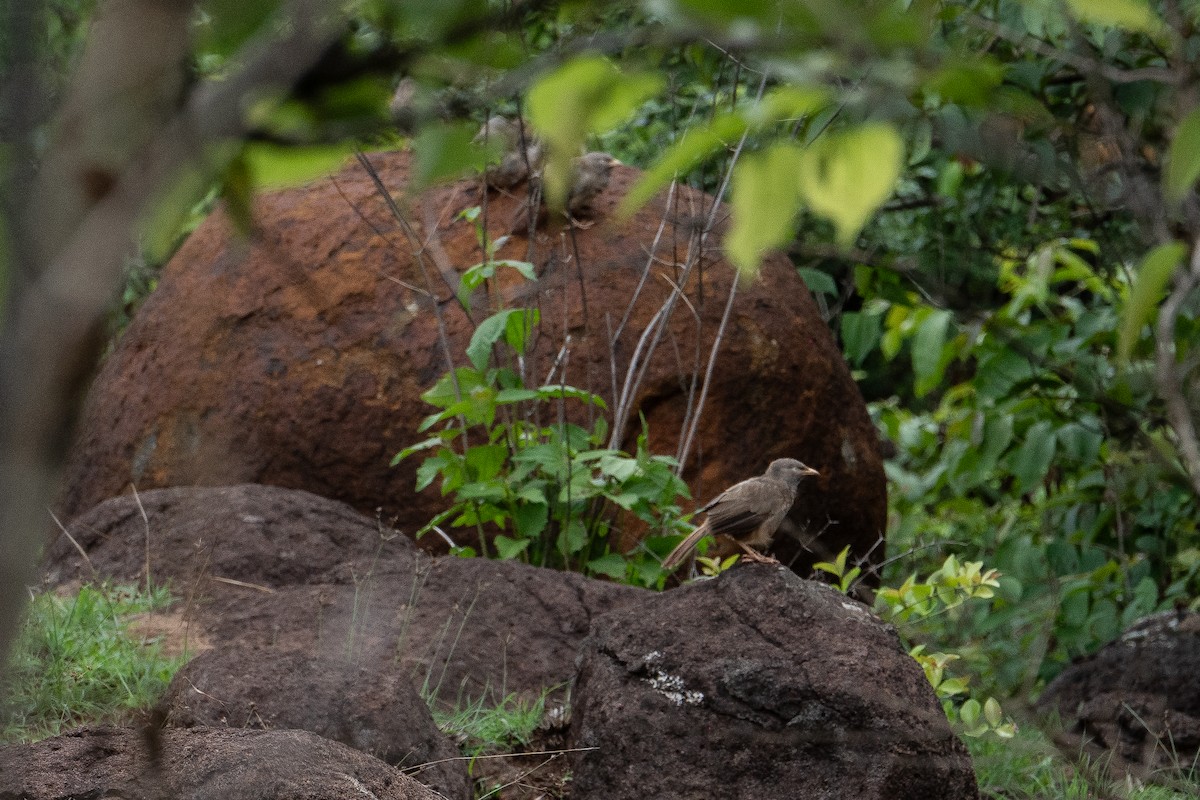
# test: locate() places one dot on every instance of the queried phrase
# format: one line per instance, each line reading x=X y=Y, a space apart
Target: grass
x=1029 y=767
x=75 y=662
x=481 y=729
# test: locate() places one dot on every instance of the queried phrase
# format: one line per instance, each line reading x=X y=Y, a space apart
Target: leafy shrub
x=551 y=493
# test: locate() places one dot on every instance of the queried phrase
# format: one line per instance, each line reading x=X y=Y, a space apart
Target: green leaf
x=765 y=203
x=1183 y=158
x=573 y=538
x=1031 y=461
x=846 y=176
x=587 y=95
x=557 y=391
x=508 y=548
x=818 y=282
x=487 y=334
x=967 y=82
x=1152 y=278
x=928 y=351
x=486 y=460
x=610 y=566
x=505 y=396
x=519 y=327
x=445 y=392
x=619 y=467
x=860 y=334
x=530 y=519
x=227 y=24
x=696 y=145
x=1130 y=15
x=431 y=442
x=475 y=276
x=446 y=150
x=274 y=166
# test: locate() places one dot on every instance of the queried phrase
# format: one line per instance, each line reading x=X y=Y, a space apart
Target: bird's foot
x=756 y=557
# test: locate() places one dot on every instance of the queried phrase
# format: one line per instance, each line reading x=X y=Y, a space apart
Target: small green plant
x=75 y=661
x=480 y=728
x=948 y=587
x=711 y=567
x=546 y=493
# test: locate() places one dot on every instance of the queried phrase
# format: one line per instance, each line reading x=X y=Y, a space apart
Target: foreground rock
x=372 y=710
x=283 y=569
x=199 y=539
x=1137 y=698
x=758 y=685
x=298 y=358
x=200 y=763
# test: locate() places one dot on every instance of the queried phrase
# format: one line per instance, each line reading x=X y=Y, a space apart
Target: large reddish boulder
x=296 y=356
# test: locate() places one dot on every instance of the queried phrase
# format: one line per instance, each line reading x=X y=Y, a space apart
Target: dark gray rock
x=1137 y=698
x=758 y=685
x=371 y=709
x=198 y=764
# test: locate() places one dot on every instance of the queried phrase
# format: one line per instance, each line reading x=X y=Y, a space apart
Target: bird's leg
x=755 y=556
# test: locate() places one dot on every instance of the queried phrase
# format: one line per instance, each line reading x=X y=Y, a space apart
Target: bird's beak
x=809 y=471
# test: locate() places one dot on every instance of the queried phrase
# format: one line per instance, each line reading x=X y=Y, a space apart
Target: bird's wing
x=741 y=509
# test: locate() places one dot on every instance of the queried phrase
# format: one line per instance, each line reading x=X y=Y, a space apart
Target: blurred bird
x=520 y=152
x=590 y=176
x=749 y=512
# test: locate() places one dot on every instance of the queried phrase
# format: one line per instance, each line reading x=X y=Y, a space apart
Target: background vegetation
x=992 y=200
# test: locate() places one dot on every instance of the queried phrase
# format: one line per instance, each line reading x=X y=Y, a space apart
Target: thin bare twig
x=1166 y=374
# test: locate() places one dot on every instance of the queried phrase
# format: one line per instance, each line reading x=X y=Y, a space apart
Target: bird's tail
x=684 y=548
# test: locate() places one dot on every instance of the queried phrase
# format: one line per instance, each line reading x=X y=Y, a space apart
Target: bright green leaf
x=928 y=351
x=487 y=334
x=765 y=204
x=1148 y=286
x=508 y=548
x=274 y=166
x=587 y=95
x=519 y=327
x=1130 y=15
x=846 y=176
x=1183 y=158
x=695 y=146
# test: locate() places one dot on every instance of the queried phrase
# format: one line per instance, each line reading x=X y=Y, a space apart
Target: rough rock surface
x=260 y=535
x=300 y=573
x=198 y=764
x=1138 y=697
x=303 y=352
x=368 y=708
x=758 y=685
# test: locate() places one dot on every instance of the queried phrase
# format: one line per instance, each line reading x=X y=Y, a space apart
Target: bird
x=590 y=174
x=749 y=512
x=520 y=152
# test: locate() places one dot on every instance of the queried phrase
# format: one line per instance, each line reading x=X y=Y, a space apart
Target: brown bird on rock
x=589 y=177
x=749 y=512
